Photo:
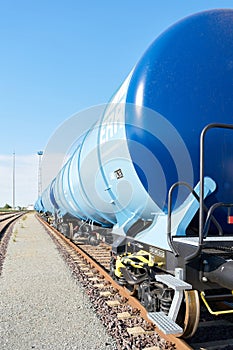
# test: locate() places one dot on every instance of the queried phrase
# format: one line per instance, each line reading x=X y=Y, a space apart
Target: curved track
x=6 y=220
x=6 y=224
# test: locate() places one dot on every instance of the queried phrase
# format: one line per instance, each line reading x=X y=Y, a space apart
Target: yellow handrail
x=210 y=310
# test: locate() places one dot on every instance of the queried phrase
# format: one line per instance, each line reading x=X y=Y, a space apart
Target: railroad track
x=6 y=225
x=6 y=220
x=122 y=314
x=213 y=334
x=101 y=253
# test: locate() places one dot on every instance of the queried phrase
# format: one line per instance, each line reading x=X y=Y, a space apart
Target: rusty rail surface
x=180 y=344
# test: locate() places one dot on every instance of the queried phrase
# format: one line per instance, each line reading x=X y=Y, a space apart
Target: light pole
x=13 y=182
x=40 y=154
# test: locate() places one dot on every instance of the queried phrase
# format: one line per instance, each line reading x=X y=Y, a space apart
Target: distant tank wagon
x=154 y=174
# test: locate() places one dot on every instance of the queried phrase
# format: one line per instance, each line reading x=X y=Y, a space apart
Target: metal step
x=173 y=282
x=164 y=323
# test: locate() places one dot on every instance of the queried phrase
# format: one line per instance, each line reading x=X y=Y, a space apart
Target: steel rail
x=132 y=301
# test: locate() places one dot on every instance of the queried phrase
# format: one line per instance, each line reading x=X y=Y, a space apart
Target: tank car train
x=154 y=176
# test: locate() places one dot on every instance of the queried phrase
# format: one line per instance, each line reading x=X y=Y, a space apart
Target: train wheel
x=112 y=267
x=132 y=290
x=189 y=316
x=93 y=240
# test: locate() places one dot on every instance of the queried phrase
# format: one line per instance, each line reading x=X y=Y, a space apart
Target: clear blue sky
x=59 y=57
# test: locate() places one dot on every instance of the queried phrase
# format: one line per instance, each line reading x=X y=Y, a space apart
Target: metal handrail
x=200 y=198
x=210 y=213
x=169 y=221
x=202 y=161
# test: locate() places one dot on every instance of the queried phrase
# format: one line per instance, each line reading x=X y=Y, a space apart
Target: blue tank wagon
x=156 y=171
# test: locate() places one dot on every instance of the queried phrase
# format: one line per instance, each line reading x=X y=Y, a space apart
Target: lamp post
x=40 y=154
x=13 y=182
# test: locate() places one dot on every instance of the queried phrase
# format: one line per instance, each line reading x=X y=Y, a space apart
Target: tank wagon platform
x=41 y=305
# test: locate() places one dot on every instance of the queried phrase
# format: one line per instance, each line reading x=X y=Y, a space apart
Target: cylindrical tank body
x=46 y=201
x=39 y=205
x=148 y=137
x=187 y=76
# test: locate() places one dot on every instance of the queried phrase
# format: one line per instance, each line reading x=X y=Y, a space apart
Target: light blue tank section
x=47 y=204
x=91 y=185
x=39 y=205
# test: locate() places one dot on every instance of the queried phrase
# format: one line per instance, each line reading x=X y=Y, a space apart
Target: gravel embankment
x=41 y=305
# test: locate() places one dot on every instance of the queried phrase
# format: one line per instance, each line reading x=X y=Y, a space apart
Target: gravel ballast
x=41 y=305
